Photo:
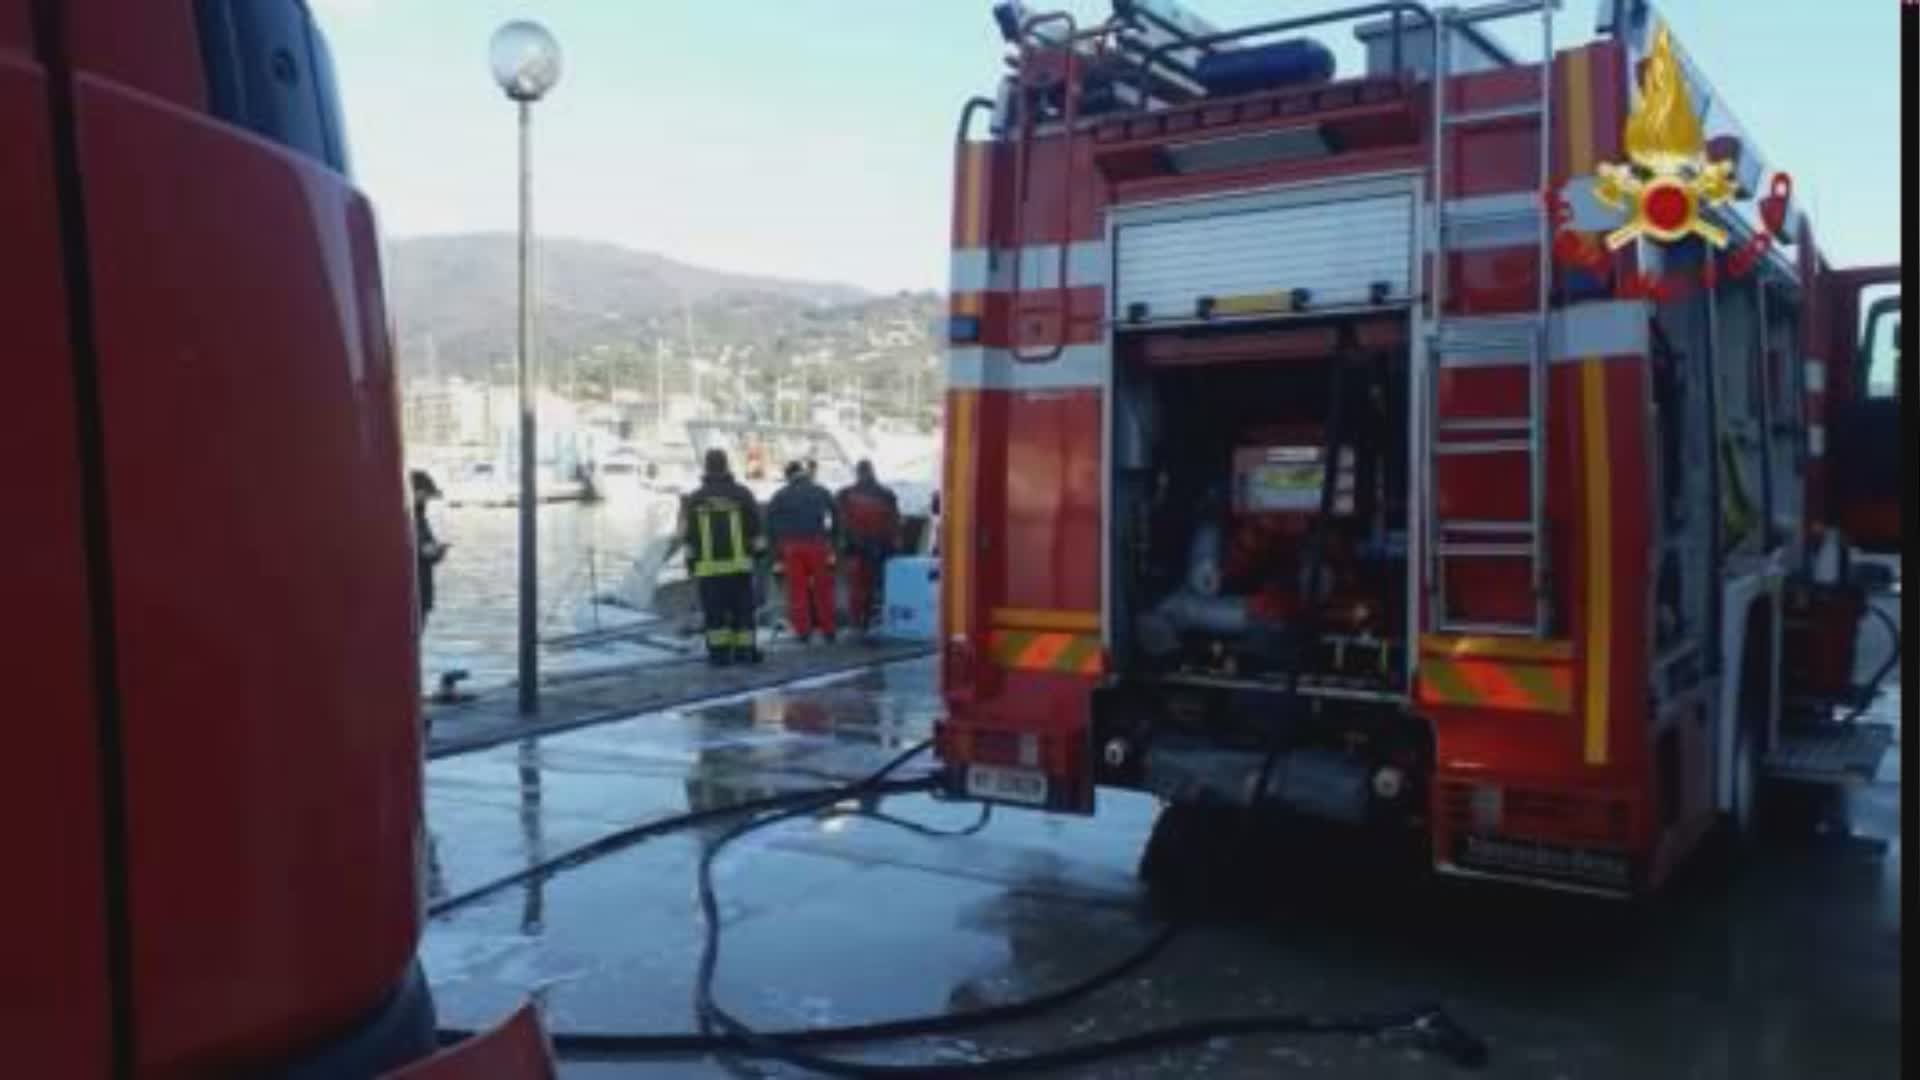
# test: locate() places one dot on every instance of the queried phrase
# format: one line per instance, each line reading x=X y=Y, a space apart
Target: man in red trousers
x=869 y=527
x=801 y=519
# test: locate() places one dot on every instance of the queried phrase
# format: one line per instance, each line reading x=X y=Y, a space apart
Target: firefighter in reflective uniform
x=869 y=520
x=720 y=526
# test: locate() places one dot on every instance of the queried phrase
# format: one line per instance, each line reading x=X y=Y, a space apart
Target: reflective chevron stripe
x=1044 y=650
x=1497 y=673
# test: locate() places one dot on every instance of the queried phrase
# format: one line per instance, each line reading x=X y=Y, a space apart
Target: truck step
x=1454 y=331
x=1492 y=629
x=1829 y=753
x=1820 y=708
x=1486 y=528
x=1506 y=425
x=1529 y=214
x=1484 y=446
x=1456 y=550
x=1503 y=112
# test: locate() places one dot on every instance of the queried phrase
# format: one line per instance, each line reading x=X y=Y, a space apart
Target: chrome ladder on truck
x=1449 y=540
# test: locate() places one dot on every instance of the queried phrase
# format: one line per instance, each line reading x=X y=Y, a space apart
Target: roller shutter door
x=1336 y=248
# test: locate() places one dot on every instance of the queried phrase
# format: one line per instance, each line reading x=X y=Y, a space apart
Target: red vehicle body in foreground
x=216 y=814
x=1576 y=521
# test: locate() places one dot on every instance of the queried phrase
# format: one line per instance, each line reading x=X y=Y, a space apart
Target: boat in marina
x=475 y=476
x=759 y=452
x=480 y=482
x=623 y=475
x=656 y=594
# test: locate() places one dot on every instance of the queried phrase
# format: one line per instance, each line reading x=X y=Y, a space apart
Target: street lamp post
x=526 y=64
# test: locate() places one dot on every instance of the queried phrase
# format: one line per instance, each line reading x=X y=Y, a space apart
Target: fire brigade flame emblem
x=1670 y=179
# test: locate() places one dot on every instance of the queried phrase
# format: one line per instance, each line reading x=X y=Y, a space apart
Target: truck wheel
x=1166 y=844
x=1742 y=815
x=1742 y=821
x=1730 y=847
x=1185 y=854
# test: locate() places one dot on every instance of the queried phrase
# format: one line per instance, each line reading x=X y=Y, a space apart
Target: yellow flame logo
x=1670 y=179
x=1662 y=132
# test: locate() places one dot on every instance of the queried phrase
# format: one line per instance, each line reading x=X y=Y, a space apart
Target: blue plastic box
x=912 y=598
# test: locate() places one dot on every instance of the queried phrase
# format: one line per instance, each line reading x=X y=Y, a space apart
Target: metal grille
x=1831 y=753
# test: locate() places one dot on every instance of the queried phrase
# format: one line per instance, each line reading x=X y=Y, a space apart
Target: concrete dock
x=1787 y=967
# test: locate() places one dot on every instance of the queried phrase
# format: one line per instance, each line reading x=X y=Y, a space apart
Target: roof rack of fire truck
x=1401 y=17
x=1153 y=48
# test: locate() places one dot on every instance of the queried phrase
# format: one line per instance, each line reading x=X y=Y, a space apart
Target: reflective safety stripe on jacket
x=720 y=541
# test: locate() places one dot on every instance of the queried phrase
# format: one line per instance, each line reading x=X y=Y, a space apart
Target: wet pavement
x=584 y=698
x=1787 y=967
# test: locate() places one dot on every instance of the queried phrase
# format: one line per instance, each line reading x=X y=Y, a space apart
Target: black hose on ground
x=614 y=841
x=979 y=823
x=781 y=808
x=1428 y=1027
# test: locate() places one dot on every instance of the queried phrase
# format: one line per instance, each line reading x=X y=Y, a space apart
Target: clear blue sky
x=813 y=138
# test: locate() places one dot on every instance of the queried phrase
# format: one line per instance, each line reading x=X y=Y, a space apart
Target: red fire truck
x=216 y=831
x=1466 y=448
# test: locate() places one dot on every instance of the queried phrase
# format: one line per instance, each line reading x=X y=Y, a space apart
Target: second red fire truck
x=1468 y=448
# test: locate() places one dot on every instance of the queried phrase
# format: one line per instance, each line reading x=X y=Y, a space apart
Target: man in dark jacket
x=870 y=525
x=720 y=526
x=800 y=522
x=427 y=548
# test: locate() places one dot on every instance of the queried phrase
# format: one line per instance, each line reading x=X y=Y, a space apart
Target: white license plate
x=1010 y=785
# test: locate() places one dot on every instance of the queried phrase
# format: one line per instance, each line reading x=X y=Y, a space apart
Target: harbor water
x=584 y=550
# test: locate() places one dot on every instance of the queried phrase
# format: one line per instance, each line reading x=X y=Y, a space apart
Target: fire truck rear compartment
x=1257 y=605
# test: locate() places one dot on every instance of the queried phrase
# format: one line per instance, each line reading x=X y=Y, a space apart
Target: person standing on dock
x=720 y=527
x=870 y=527
x=801 y=522
x=427 y=548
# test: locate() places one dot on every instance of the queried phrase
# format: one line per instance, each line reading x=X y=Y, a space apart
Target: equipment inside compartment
x=1231 y=558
